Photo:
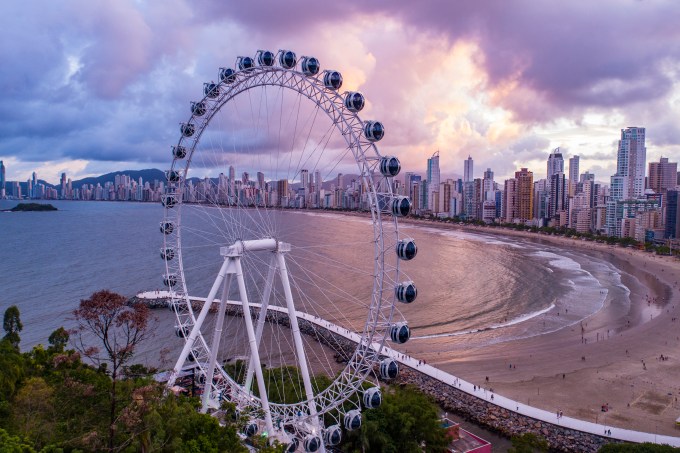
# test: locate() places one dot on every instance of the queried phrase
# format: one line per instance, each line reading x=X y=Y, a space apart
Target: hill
x=149 y=174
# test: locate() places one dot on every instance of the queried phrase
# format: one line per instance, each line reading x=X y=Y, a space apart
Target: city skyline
x=502 y=83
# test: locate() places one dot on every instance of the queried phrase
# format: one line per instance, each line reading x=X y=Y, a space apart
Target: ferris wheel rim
x=296 y=81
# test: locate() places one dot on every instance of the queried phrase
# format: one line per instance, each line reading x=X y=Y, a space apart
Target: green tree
x=120 y=328
x=12 y=325
x=33 y=415
x=11 y=369
x=406 y=421
x=58 y=340
x=13 y=444
x=173 y=424
x=528 y=443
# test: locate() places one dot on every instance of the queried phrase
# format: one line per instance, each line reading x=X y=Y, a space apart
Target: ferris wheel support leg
x=215 y=346
x=299 y=349
x=199 y=322
x=261 y=318
x=254 y=352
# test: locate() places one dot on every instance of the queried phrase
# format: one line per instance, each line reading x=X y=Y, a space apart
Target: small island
x=26 y=207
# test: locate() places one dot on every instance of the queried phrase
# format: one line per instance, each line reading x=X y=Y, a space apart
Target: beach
x=612 y=359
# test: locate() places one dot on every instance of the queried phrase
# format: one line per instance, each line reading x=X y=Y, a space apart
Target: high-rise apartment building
x=488 y=186
x=509 y=207
x=587 y=176
x=629 y=181
x=63 y=185
x=662 y=175
x=525 y=194
x=282 y=192
x=630 y=164
x=558 y=195
x=304 y=179
x=468 y=170
x=541 y=199
x=2 y=179
x=433 y=179
x=555 y=163
x=573 y=170
x=672 y=224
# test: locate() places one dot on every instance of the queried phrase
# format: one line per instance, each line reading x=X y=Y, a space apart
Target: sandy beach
x=614 y=360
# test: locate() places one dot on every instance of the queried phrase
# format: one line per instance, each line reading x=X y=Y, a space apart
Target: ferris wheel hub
x=238 y=248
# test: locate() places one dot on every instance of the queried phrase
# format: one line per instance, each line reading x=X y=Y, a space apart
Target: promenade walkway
x=467 y=387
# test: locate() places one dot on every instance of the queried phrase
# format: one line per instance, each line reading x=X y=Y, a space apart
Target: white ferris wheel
x=283 y=306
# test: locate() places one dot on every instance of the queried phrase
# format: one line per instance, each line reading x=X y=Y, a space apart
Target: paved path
x=467 y=387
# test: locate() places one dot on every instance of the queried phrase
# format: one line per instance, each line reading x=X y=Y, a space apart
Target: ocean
x=474 y=289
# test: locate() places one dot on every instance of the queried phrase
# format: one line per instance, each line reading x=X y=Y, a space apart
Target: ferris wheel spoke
x=307 y=277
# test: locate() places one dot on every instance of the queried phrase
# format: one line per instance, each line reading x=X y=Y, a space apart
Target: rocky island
x=25 y=207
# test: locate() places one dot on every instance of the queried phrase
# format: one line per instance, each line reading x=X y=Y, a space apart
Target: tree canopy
x=406 y=421
x=12 y=325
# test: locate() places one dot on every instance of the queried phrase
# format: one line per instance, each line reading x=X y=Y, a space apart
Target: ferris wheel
x=284 y=305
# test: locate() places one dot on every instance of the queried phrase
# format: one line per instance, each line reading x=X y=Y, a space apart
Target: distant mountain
x=150 y=175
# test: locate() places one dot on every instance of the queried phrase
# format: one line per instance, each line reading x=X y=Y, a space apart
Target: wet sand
x=614 y=361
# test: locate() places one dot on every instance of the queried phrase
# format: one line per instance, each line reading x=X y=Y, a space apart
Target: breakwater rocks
x=449 y=398
x=498 y=419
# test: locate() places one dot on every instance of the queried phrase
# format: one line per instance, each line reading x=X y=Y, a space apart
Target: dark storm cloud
x=89 y=80
x=111 y=81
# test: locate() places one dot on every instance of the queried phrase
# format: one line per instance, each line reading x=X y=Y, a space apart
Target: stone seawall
x=498 y=419
x=449 y=398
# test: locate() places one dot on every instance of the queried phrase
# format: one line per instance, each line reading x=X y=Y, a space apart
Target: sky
x=89 y=87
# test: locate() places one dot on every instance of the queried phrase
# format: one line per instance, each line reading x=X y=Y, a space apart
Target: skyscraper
x=509 y=208
x=433 y=182
x=468 y=174
x=525 y=194
x=63 y=185
x=672 y=223
x=468 y=210
x=573 y=170
x=555 y=163
x=232 y=181
x=488 y=184
x=558 y=195
x=2 y=179
x=630 y=164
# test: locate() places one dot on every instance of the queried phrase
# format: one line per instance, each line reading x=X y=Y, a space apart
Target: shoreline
x=619 y=365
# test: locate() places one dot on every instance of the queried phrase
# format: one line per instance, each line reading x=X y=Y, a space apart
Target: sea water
x=473 y=288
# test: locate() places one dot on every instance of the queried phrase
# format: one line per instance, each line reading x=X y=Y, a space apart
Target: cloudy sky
x=95 y=86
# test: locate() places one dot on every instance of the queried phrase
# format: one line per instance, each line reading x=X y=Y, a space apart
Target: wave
x=558 y=261
x=512 y=322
